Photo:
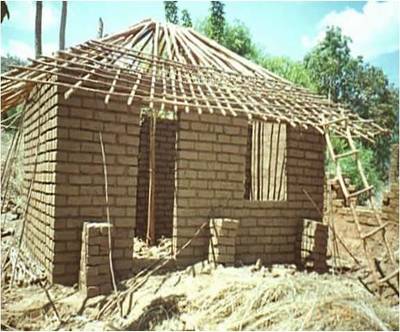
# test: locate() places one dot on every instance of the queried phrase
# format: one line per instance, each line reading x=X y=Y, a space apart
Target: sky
x=284 y=28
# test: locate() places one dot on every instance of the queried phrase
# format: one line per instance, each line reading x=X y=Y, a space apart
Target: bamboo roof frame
x=163 y=65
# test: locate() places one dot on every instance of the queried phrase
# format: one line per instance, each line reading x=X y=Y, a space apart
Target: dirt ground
x=204 y=297
x=348 y=233
x=210 y=299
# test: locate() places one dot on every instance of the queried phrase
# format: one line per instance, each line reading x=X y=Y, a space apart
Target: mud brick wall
x=40 y=138
x=314 y=245
x=165 y=177
x=210 y=176
x=222 y=242
x=95 y=275
x=390 y=206
x=80 y=179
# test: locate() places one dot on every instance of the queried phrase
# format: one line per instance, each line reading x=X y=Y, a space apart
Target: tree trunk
x=38 y=29
x=63 y=24
x=4 y=11
x=100 y=29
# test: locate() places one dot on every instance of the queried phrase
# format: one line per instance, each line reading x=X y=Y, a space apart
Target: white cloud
x=374 y=30
x=24 y=50
x=23 y=15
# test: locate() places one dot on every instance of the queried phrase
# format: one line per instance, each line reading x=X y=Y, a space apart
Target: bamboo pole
x=150 y=235
x=107 y=212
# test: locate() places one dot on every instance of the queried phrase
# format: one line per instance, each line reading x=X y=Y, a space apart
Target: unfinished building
x=191 y=131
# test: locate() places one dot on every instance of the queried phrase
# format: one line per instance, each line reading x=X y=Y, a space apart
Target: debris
x=161 y=250
x=257 y=266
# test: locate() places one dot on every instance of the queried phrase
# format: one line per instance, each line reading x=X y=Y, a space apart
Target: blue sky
x=280 y=27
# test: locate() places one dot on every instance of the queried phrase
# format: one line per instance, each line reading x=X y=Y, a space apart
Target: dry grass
x=238 y=299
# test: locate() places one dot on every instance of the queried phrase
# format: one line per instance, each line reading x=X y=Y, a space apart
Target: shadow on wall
x=313 y=245
x=165 y=177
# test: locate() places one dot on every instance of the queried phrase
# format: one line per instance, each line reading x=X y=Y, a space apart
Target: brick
x=114 y=128
x=79 y=179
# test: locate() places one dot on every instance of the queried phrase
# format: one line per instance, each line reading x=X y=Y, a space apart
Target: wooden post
x=150 y=236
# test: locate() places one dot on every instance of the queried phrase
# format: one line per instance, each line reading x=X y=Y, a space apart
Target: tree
x=186 y=19
x=363 y=88
x=4 y=11
x=293 y=71
x=100 y=28
x=9 y=60
x=328 y=63
x=171 y=11
x=38 y=29
x=237 y=38
x=63 y=24
x=217 y=21
x=349 y=167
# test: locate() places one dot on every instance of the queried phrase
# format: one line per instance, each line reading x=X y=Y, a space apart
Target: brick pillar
x=95 y=276
x=314 y=244
x=222 y=242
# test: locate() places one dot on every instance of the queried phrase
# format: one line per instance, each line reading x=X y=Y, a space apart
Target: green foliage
x=186 y=19
x=293 y=71
x=349 y=166
x=237 y=38
x=9 y=60
x=329 y=63
x=362 y=87
x=217 y=21
x=171 y=11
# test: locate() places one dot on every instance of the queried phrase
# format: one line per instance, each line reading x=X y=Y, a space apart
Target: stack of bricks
x=165 y=177
x=390 y=206
x=314 y=243
x=95 y=276
x=337 y=196
x=342 y=213
x=222 y=241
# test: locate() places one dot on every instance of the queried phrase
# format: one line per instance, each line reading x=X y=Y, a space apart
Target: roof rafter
x=164 y=64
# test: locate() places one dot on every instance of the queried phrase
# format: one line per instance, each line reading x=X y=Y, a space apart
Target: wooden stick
x=151 y=270
x=150 y=236
x=108 y=213
x=51 y=301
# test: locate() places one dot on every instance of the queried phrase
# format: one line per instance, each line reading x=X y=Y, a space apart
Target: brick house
x=229 y=140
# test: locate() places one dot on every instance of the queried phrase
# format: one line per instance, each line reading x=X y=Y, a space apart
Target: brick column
x=314 y=244
x=95 y=275
x=222 y=242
